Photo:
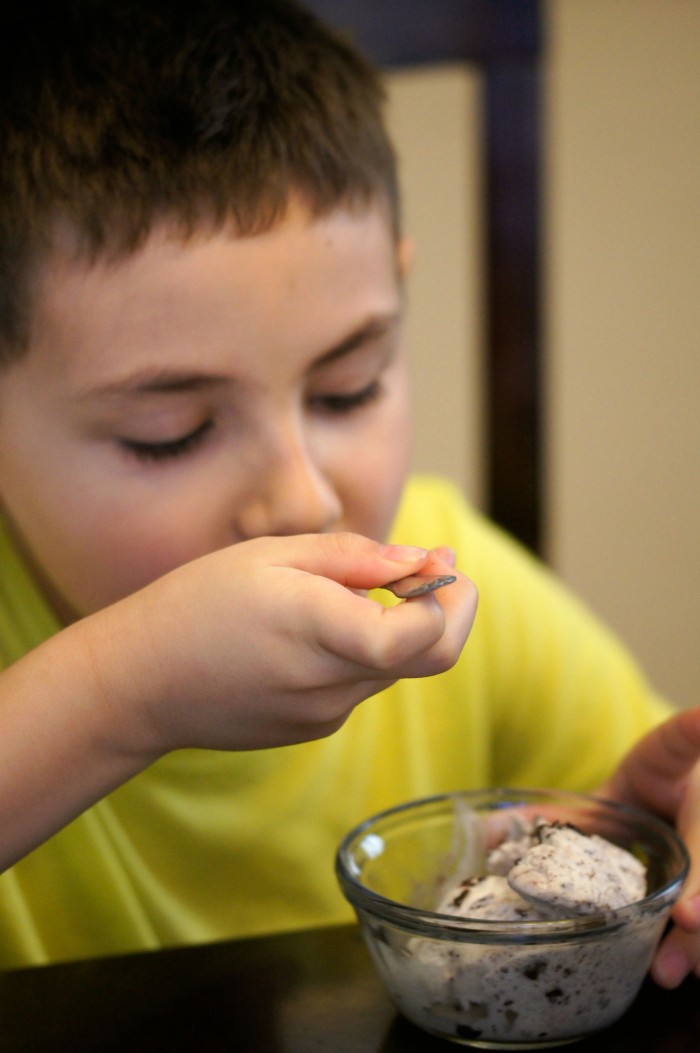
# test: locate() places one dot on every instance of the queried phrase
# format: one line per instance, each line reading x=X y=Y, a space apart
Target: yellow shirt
x=204 y=846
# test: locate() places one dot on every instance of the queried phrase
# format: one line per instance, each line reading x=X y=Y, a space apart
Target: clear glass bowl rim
x=448 y=927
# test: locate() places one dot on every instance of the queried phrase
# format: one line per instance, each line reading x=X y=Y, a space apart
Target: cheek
x=89 y=550
x=375 y=472
x=96 y=564
x=135 y=546
x=126 y=559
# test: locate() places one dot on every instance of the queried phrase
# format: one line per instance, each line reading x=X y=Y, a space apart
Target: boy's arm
x=263 y=644
x=662 y=774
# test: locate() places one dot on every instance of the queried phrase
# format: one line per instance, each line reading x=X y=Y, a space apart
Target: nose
x=289 y=494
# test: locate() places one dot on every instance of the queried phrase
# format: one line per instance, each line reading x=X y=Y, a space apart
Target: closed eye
x=172 y=448
x=340 y=404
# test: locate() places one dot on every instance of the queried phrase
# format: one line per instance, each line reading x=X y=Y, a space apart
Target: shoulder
x=521 y=599
x=430 y=508
x=433 y=511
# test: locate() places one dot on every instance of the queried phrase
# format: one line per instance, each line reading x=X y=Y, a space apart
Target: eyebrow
x=373 y=329
x=165 y=381
x=156 y=381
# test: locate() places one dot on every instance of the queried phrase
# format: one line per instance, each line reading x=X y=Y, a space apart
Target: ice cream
x=502 y=990
x=549 y=870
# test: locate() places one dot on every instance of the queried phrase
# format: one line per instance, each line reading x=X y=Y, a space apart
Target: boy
x=203 y=422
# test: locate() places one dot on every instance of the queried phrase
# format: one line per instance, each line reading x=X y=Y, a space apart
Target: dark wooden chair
x=503 y=38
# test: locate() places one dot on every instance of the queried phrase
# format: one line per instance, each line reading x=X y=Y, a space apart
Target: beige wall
x=622 y=310
x=434 y=119
x=623 y=316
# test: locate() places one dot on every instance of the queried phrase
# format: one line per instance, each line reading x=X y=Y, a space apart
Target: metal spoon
x=417 y=584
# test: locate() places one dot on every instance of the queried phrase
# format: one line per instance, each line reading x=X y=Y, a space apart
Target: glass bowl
x=519 y=984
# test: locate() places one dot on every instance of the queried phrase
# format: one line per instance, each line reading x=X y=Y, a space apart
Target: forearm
x=63 y=741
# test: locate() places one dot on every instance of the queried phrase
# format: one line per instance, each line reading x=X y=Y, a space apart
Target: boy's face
x=198 y=394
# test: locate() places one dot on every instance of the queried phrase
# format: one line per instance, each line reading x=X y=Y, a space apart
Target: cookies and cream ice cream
x=549 y=870
x=494 y=989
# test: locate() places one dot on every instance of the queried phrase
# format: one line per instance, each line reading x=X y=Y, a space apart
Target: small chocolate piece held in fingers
x=417 y=584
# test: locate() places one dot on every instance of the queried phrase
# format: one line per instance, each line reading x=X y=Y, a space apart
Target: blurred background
x=619 y=311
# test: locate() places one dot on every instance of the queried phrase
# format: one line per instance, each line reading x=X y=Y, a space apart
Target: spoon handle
x=417 y=584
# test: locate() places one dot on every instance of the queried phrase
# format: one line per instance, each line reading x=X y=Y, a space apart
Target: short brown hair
x=118 y=114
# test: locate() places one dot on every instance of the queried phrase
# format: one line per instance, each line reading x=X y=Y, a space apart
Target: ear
x=405 y=251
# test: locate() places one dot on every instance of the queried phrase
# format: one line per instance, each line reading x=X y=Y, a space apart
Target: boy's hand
x=662 y=774
x=271 y=641
x=262 y=644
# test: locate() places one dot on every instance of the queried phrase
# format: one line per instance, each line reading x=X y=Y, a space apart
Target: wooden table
x=293 y=993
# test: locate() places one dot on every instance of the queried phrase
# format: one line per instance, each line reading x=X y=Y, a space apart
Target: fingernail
x=448 y=554
x=404 y=553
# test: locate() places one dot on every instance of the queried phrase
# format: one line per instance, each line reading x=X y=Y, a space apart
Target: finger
x=350 y=559
x=417 y=638
x=654 y=773
x=686 y=913
x=447 y=554
x=459 y=601
x=677 y=956
x=459 y=610
x=662 y=774
x=381 y=639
